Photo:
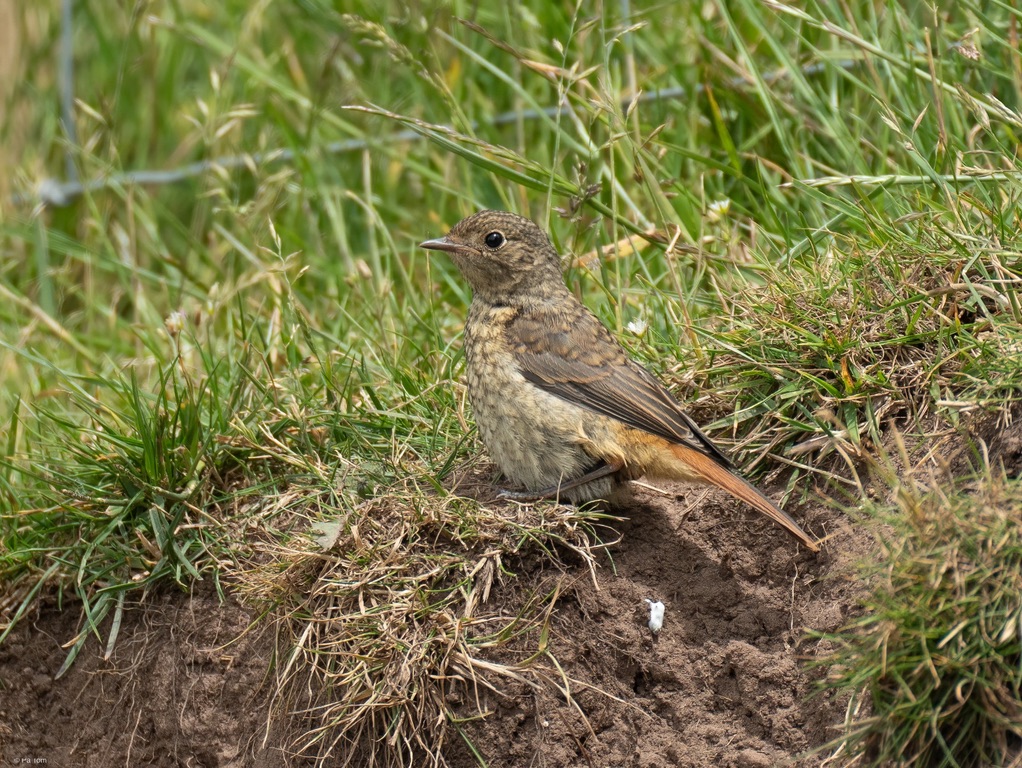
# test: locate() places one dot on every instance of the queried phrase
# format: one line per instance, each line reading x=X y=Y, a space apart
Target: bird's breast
x=537 y=439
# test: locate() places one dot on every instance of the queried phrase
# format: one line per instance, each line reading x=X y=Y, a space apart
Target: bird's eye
x=494 y=240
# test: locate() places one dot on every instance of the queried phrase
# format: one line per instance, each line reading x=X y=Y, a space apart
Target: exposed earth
x=729 y=680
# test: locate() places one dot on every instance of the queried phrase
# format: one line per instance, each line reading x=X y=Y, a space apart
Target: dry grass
x=908 y=336
x=383 y=619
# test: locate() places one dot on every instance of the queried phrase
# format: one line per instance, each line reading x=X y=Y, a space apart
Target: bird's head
x=503 y=256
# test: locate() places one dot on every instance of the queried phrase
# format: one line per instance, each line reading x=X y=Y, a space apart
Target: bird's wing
x=574 y=357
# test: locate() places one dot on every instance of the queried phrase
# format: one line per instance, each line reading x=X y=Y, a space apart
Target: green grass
x=816 y=243
x=938 y=649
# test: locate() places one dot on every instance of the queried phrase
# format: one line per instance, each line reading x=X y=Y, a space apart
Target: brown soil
x=725 y=683
x=184 y=687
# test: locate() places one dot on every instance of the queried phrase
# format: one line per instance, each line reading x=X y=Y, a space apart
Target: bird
x=562 y=409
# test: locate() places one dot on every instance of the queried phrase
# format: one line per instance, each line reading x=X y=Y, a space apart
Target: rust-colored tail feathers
x=715 y=474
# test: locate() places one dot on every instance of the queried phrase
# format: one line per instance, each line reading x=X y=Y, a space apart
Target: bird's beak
x=442 y=244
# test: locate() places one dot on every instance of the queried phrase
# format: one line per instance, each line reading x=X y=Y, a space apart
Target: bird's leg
x=600 y=470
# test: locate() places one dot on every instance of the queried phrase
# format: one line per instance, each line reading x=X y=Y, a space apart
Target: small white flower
x=175 y=322
x=718 y=209
x=656 y=615
x=638 y=327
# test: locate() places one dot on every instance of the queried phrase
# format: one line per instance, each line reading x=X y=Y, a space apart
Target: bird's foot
x=603 y=469
x=525 y=496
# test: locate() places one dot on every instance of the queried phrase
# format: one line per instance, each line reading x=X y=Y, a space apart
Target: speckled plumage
x=537 y=439
x=554 y=395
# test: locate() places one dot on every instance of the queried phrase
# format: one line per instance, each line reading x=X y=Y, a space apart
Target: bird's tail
x=712 y=472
